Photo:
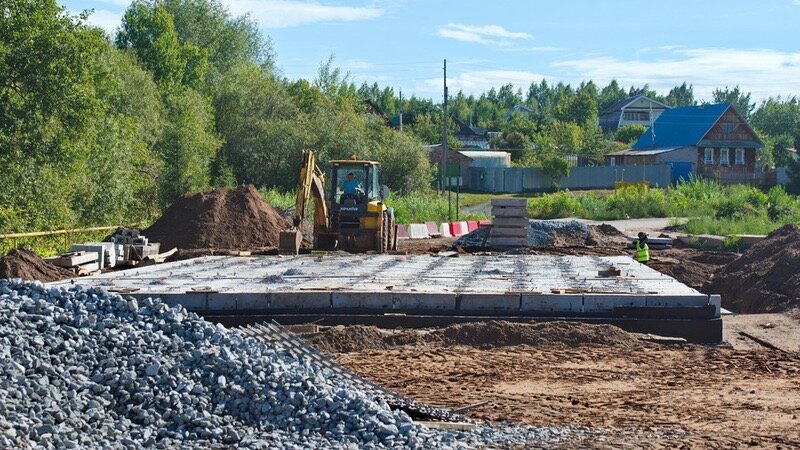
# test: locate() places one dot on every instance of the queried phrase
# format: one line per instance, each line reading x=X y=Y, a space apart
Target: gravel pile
x=81 y=368
x=542 y=233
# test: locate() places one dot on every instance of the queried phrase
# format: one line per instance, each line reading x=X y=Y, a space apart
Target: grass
x=712 y=208
x=51 y=245
x=420 y=208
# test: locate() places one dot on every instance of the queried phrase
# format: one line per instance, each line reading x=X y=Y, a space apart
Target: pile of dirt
x=483 y=335
x=766 y=278
x=504 y=334
x=225 y=218
x=26 y=264
x=606 y=235
x=694 y=268
x=554 y=234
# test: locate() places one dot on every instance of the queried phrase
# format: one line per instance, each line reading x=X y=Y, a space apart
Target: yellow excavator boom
x=311 y=183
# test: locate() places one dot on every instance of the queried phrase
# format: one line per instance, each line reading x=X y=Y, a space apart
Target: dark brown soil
x=766 y=278
x=491 y=334
x=26 y=264
x=225 y=218
x=694 y=268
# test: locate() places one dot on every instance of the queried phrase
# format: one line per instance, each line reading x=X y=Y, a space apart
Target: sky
x=403 y=43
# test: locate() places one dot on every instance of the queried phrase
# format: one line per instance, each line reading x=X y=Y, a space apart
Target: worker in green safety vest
x=642 y=250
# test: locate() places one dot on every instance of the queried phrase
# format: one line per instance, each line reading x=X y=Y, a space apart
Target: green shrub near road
x=712 y=208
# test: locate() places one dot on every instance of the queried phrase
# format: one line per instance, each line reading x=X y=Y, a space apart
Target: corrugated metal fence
x=532 y=180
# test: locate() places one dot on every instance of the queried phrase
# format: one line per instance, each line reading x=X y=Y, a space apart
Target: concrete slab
x=555 y=303
x=494 y=302
x=399 y=282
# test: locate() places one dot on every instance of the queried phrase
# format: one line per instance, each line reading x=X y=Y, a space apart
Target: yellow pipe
x=52 y=233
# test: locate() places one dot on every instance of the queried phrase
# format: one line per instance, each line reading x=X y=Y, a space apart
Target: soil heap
x=26 y=264
x=766 y=278
x=225 y=218
x=483 y=335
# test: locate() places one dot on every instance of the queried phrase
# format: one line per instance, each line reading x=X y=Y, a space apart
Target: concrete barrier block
x=418 y=231
x=552 y=303
x=509 y=232
x=421 y=300
x=472 y=225
x=458 y=228
x=489 y=301
x=485 y=223
x=464 y=227
x=300 y=300
x=444 y=230
x=514 y=202
x=372 y=300
x=508 y=241
x=605 y=303
x=402 y=231
x=433 y=230
x=510 y=212
x=511 y=222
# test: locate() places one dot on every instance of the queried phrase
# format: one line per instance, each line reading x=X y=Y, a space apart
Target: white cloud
x=485 y=34
x=291 y=13
x=763 y=72
x=477 y=82
x=107 y=20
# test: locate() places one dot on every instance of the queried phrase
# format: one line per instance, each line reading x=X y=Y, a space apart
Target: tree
x=555 y=167
x=610 y=94
x=681 y=96
x=735 y=97
x=793 y=171
x=149 y=31
x=629 y=133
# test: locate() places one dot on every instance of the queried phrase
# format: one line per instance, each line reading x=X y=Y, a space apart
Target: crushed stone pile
x=81 y=368
x=225 y=218
x=483 y=335
x=765 y=278
x=27 y=265
x=553 y=233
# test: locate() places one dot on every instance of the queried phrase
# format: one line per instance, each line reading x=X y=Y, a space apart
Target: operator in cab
x=350 y=187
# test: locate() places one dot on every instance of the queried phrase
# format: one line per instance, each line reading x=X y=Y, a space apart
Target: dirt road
x=650 y=396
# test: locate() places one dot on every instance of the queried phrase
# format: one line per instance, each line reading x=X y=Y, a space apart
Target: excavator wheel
x=385 y=234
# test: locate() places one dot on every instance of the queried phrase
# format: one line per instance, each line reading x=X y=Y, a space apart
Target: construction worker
x=642 y=250
x=350 y=187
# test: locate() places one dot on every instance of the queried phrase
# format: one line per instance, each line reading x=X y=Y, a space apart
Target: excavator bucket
x=289 y=241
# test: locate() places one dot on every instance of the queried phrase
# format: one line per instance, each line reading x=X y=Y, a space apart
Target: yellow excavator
x=350 y=215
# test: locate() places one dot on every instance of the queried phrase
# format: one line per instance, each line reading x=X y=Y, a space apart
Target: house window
x=739 y=156
x=724 y=157
x=709 y=156
x=612 y=161
x=727 y=129
x=640 y=116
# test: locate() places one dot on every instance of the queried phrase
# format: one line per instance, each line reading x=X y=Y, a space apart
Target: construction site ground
x=648 y=395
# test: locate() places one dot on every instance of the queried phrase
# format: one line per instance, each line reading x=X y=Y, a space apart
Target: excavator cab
x=359 y=218
x=349 y=212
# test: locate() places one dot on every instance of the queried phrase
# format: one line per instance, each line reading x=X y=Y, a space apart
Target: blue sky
x=401 y=43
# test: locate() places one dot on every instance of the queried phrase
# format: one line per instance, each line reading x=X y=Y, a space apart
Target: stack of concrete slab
x=109 y=253
x=135 y=246
x=510 y=223
x=80 y=262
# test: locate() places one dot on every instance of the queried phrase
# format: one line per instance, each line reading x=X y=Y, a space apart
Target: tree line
x=184 y=96
x=99 y=129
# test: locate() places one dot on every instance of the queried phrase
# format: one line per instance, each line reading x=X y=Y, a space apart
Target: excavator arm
x=311 y=183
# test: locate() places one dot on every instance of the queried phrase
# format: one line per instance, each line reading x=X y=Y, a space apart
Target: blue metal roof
x=681 y=127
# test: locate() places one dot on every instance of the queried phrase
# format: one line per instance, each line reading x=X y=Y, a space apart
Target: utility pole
x=444 y=132
x=401 y=110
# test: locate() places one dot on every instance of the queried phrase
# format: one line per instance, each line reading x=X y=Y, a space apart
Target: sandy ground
x=653 y=396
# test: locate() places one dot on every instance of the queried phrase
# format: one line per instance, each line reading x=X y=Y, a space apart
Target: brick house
x=712 y=141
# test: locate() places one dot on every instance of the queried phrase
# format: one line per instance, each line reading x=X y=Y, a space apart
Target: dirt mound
x=766 y=278
x=26 y=264
x=491 y=334
x=225 y=218
x=503 y=334
x=691 y=267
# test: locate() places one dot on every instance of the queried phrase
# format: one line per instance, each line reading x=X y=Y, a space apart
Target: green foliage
x=423 y=207
x=630 y=133
x=554 y=206
x=737 y=98
x=555 y=167
x=681 y=96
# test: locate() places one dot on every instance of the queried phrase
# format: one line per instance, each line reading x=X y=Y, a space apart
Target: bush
x=553 y=206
